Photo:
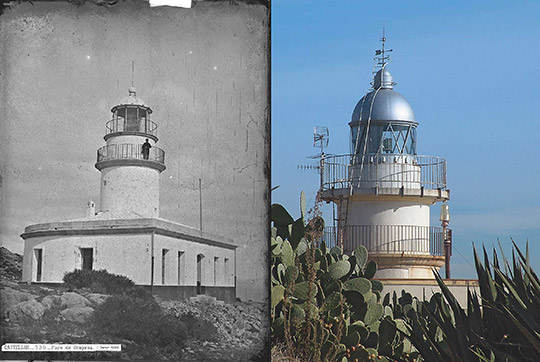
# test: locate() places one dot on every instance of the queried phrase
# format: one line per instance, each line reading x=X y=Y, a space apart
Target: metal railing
x=129 y=151
x=123 y=125
x=388 y=170
x=391 y=239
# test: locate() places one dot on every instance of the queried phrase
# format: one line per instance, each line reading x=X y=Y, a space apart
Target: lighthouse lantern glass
x=131 y=118
x=385 y=138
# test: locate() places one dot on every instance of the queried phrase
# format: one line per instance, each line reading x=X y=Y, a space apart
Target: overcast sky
x=470 y=71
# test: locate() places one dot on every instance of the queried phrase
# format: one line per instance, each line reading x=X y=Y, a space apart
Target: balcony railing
x=129 y=151
x=389 y=170
x=388 y=239
x=122 y=125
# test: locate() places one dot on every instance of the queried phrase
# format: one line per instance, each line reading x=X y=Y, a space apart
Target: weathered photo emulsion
x=134 y=174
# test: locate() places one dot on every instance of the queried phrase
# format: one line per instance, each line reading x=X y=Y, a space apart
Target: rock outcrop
x=10 y=297
x=71 y=299
x=31 y=309
x=77 y=314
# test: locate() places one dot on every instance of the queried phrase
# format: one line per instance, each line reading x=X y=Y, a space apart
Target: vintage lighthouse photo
x=126 y=235
x=135 y=184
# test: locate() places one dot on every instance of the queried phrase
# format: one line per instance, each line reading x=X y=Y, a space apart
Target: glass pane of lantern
x=387 y=142
x=132 y=124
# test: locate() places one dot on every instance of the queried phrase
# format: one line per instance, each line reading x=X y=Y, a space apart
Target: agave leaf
x=505 y=260
x=532 y=336
x=533 y=280
x=487 y=288
x=511 y=287
x=524 y=259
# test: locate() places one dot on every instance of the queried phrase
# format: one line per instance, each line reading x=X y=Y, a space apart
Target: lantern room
x=383 y=122
x=132 y=116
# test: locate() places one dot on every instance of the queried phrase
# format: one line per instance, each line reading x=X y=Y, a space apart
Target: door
x=200 y=287
x=87 y=255
x=39 y=263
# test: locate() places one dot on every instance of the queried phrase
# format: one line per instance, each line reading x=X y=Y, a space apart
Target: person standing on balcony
x=146 y=149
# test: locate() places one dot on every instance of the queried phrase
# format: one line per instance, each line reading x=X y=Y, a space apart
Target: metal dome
x=132 y=98
x=383 y=79
x=388 y=105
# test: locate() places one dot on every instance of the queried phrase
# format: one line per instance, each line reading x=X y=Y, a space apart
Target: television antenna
x=321 y=137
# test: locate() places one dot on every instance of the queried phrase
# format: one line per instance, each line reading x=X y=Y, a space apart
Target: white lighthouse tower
x=383 y=189
x=130 y=163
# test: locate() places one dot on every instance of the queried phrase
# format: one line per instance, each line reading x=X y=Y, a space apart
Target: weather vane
x=380 y=56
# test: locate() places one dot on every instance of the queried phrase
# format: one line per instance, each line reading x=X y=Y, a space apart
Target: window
x=181 y=268
x=226 y=271
x=200 y=287
x=163 y=264
x=216 y=261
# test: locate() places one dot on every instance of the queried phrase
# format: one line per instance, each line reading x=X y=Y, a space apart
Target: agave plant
x=500 y=324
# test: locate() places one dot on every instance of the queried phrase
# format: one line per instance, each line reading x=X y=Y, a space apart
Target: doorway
x=87 y=255
x=200 y=287
x=39 y=263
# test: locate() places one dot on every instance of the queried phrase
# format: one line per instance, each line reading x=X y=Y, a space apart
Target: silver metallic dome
x=388 y=105
x=383 y=79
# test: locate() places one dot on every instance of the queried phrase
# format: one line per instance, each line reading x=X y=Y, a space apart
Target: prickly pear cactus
x=324 y=302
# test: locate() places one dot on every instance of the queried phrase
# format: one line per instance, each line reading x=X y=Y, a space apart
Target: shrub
x=99 y=281
x=140 y=320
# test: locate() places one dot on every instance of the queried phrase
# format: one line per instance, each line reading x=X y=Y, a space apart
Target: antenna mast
x=320 y=139
x=132 y=71
x=380 y=54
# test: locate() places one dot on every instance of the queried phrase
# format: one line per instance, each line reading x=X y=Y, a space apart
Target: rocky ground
x=216 y=331
x=228 y=332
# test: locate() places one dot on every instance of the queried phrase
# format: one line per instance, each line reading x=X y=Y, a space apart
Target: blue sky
x=469 y=70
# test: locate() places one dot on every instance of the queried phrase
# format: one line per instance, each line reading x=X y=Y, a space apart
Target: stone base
x=425 y=287
x=405 y=266
x=175 y=292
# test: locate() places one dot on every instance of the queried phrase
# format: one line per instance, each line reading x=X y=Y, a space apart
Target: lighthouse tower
x=130 y=163
x=383 y=189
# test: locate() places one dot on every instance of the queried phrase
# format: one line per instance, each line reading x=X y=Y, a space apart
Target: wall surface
x=380 y=212
x=130 y=255
x=130 y=189
x=204 y=71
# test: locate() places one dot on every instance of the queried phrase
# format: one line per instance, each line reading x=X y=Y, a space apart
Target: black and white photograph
x=135 y=180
